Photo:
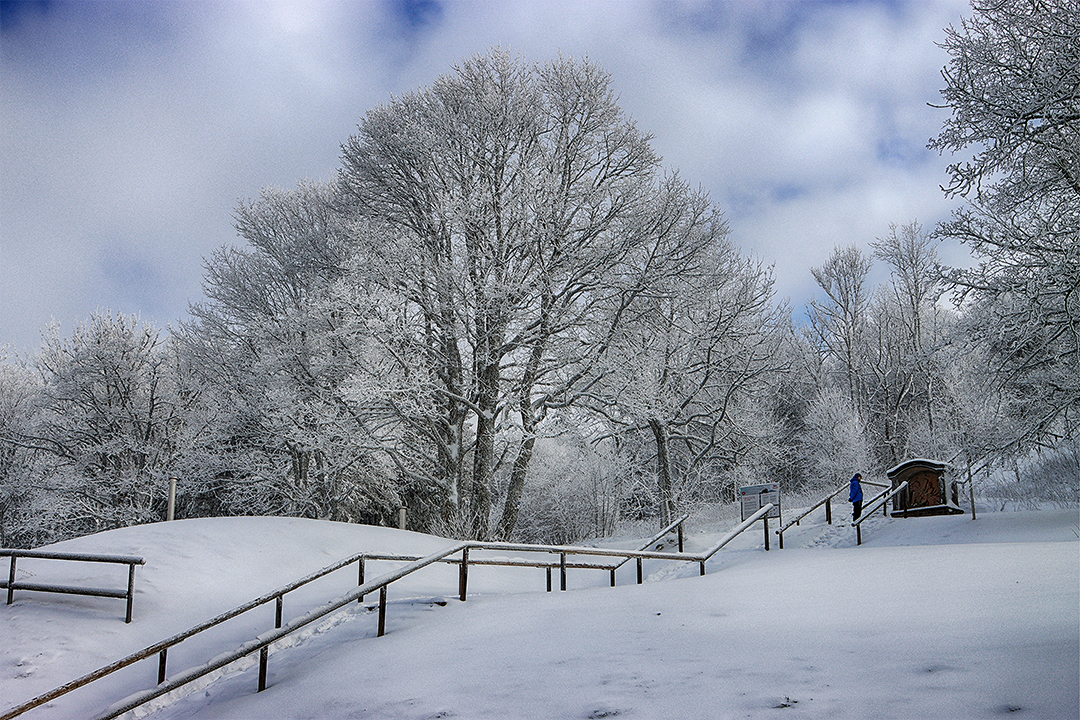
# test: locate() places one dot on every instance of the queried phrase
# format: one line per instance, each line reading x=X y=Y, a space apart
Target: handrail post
x=360 y=577
x=548 y=569
x=828 y=510
x=279 y=603
x=130 y=591
x=702 y=572
x=11 y=581
x=463 y=574
x=765 y=520
x=382 y=611
x=639 y=571
x=781 y=534
x=562 y=571
x=162 y=660
x=680 y=538
x=612 y=577
x=858 y=533
x=264 y=656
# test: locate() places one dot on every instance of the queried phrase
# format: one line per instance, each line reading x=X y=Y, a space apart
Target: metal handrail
x=877 y=502
x=823 y=501
x=12 y=585
x=262 y=642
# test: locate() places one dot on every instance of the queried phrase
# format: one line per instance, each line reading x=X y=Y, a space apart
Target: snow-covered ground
x=930 y=618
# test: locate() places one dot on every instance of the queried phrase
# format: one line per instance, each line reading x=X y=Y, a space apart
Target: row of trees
x=506 y=315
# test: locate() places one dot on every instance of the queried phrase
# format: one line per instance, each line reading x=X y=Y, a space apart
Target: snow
x=939 y=617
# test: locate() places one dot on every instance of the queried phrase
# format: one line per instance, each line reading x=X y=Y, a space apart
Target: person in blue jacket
x=855 y=497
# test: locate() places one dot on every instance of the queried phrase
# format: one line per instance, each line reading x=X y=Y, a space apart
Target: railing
x=874 y=504
x=262 y=642
x=826 y=501
x=129 y=594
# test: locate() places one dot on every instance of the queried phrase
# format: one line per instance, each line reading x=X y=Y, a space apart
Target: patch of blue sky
x=416 y=15
x=135 y=280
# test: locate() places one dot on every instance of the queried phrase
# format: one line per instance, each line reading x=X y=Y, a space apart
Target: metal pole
x=130 y=591
x=680 y=538
x=382 y=611
x=639 y=571
x=765 y=519
x=171 y=513
x=562 y=571
x=828 y=510
x=360 y=578
x=277 y=610
x=162 y=659
x=463 y=574
x=264 y=655
x=11 y=581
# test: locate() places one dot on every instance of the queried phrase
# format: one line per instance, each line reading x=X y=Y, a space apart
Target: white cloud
x=132 y=129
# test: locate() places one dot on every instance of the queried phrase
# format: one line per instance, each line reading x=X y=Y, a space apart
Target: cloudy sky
x=130 y=130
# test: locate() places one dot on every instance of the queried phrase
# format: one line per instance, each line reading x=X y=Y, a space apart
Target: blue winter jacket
x=856 y=491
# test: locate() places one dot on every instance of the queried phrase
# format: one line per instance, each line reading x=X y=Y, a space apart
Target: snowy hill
x=939 y=617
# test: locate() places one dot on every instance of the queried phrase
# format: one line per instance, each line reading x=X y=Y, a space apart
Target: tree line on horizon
x=507 y=316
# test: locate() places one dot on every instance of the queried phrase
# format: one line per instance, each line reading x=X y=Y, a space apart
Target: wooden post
x=548 y=569
x=680 y=538
x=562 y=571
x=382 y=611
x=702 y=563
x=612 y=577
x=463 y=574
x=828 y=510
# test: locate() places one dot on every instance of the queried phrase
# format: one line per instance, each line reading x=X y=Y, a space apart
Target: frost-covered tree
x=1013 y=88
x=687 y=367
x=838 y=322
x=512 y=207
x=104 y=427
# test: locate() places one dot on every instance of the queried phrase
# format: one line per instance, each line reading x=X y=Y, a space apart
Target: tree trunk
x=663 y=473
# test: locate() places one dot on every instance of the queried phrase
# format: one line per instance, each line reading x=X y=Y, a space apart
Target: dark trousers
x=856 y=510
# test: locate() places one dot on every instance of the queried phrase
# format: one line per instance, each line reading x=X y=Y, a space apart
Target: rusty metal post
x=382 y=611
x=463 y=574
x=264 y=656
x=130 y=591
x=162 y=659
